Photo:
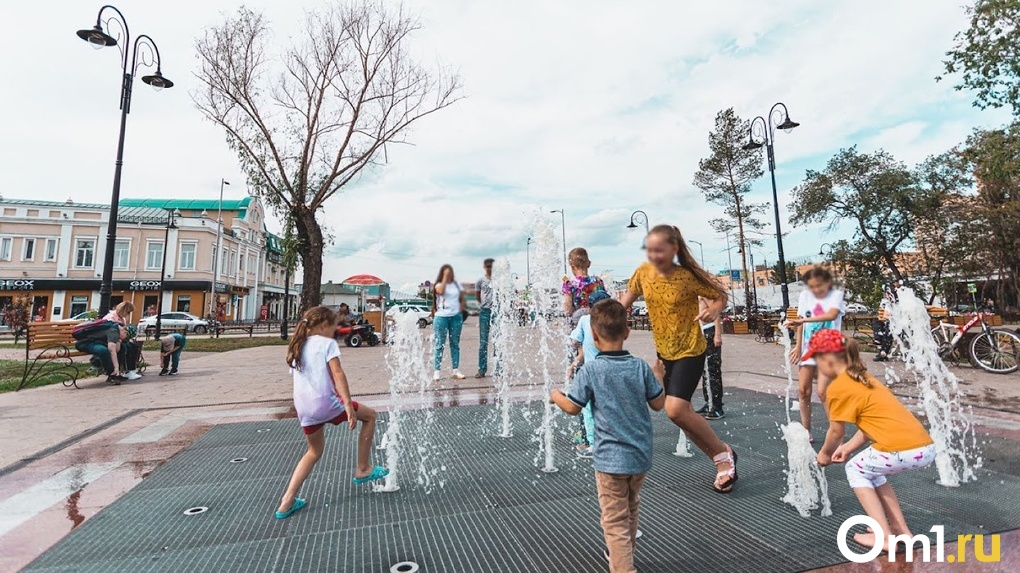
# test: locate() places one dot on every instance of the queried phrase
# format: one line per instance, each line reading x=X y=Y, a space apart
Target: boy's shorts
x=309 y=430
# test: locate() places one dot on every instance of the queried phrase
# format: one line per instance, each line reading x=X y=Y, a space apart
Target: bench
x=248 y=327
x=54 y=347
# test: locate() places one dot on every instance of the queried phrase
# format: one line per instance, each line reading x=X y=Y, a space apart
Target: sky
x=599 y=108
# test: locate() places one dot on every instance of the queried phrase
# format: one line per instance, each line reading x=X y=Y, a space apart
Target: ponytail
x=311 y=319
x=685 y=258
x=855 y=367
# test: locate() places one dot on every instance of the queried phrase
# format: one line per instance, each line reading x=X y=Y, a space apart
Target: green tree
x=774 y=275
x=875 y=192
x=943 y=180
x=306 y=120
x=985 y=55
x=725 y=178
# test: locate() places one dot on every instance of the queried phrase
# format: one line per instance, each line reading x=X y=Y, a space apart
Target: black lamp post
x=171 y=223
x=761 y=133
x=563 y=229
x=821 y=250
x=640 y=217
x=100 y=38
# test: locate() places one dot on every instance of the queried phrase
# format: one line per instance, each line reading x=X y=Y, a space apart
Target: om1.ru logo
x=910 y=543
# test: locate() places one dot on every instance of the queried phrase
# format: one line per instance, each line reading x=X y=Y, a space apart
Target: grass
x=205 y=344
x=11 y=372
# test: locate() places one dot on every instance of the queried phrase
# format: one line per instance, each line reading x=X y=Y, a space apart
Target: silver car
x=187 y=321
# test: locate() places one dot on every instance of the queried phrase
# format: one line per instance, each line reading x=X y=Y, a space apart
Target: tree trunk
x=310 y=247
x=743 y=258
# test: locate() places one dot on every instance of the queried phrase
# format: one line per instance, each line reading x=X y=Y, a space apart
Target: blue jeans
x=98 y=349
x=442 y=327
x=174 y=359
x=484 y=324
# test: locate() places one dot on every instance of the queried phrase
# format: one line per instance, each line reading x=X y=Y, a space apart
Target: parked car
x=190 y=322
x=80 y=317
x=856 y=308
x=424 y=313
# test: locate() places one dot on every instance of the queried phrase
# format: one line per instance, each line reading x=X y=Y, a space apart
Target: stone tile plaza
x=381 y=286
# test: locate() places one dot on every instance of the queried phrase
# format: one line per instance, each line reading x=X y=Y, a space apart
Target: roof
x=65 y=204
x=334 y=288
x=273 y=243
x=239 y=205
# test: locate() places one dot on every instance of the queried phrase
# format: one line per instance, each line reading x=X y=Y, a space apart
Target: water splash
x=504 y=341
x=405 y=361
x=543 y=305
x=683 y=447
x=806 y=486
x=939 y=391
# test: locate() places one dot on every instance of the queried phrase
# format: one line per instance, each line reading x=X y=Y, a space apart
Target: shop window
x=84 y=253
x=184 y=303
x=79 y=304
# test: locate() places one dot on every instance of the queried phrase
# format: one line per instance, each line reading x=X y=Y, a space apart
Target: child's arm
x=827 y=316
x=627 y=299
x=855 y=443
x=656 y=388
x=833 y=438
x=658 y=403
x=577 y=361
x=795 y=352
x=343 y=390
x=568 y=303
x=565 y=404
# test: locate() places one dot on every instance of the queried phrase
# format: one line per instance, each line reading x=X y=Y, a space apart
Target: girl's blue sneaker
x=298 y=504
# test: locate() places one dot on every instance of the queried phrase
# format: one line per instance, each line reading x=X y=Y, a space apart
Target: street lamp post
x=701 y=248
x=216 y=256
x=640 y=217
x=761 y=133
x=563 y=229
x=100 y=38
x=171 y=217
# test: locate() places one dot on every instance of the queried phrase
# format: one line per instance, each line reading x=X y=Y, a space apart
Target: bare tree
x=306 y=121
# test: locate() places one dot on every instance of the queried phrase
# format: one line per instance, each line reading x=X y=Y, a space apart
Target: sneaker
x=163 y=372
x=703 y=410
x=881 y=357
x=480 y=374
x=457 y=375
x=115 y=379
x=716 y=414
x=584 y=453
x=173 y=372
x=132 y=375
x=437 y=376
x=577 y=438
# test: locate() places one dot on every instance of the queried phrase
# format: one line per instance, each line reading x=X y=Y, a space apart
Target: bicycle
x=766 y=333
x=995 y=350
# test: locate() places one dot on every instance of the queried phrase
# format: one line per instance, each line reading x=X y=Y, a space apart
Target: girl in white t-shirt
x=820 y=306
x=322 y=396
x=448 y=306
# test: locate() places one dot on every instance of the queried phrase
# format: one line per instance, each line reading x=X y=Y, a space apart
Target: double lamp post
x=100 y=37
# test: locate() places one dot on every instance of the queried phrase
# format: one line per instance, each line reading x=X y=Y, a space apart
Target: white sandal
x=727 y=457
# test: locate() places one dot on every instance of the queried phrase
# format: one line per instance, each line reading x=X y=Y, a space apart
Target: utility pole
x=216 y=257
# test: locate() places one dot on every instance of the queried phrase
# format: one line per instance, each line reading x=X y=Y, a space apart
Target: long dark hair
x=439 y=280
x=311 y=319
x=684 y=257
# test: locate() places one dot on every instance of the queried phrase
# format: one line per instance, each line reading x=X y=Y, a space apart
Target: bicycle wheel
x=944 y=349
x=997 y=352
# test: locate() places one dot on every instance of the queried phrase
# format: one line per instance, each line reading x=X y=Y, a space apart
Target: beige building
x=55 y=252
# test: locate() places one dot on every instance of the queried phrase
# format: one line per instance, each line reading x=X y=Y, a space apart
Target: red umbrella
x=364 y=280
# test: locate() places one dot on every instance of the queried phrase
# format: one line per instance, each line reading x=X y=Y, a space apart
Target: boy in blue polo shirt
x=620 y=389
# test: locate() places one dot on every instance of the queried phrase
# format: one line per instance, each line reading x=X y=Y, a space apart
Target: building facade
x=55 y=252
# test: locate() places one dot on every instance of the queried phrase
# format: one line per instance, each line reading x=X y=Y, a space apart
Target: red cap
x=825 y=340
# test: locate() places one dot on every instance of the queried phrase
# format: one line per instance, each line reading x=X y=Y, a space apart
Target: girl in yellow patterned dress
x=671 y=282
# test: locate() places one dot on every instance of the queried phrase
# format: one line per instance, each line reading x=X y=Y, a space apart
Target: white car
x=856 y=308
x=80 y=317
x=190 y=322
x=423 y=313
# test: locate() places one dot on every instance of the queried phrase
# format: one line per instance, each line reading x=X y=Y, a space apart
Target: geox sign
x=12 y=284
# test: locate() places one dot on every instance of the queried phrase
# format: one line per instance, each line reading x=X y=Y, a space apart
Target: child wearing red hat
x=898 y=441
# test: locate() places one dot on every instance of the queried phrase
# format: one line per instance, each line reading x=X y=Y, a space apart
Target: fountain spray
x=543 y=304
x=504 y=347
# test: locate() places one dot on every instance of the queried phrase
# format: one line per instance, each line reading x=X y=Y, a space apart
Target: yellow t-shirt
x=672 y=309
x=877 y=412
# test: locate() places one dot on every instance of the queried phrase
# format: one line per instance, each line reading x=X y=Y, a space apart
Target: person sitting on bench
x=103 y=345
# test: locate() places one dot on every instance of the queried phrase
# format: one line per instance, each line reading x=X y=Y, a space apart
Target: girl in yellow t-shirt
x=898 y=441
x=671 y=282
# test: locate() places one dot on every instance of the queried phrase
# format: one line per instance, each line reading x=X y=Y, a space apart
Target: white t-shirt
x=315 y=397
x=448 y=303
x=809 y=305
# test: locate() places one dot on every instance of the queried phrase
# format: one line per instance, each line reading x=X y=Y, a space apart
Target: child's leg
x=806 y=375
x=633 y=499
x=872 y=505
x=614 y=500
x=456 y=326
x=316 y=442
x=367 y=417
x=823 y=385
x=440 y=329
x=588 y=424
x=866 y=473
x=893 y=512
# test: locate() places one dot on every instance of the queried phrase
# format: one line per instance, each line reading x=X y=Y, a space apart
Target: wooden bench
x=248 y=327
x=54 y=350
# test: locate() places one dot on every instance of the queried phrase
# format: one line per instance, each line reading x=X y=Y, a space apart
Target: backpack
x=89 y=329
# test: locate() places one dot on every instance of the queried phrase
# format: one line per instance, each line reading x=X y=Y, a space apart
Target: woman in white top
x=447 y=305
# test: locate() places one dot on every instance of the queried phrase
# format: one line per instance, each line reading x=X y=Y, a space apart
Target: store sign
x=222 y=288
x=12 y=284
x=972 y=288
x=143 y=285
